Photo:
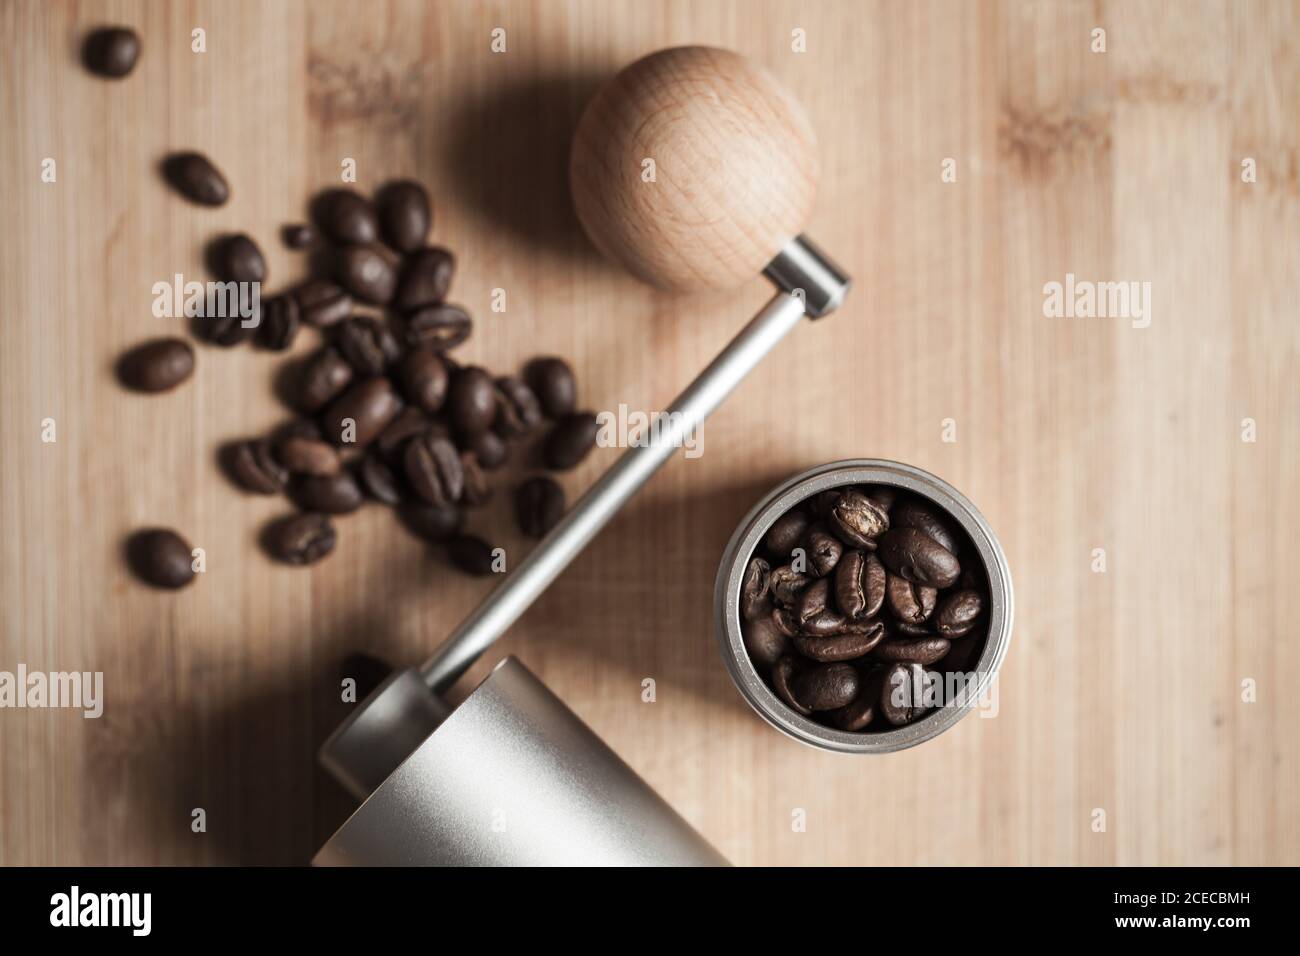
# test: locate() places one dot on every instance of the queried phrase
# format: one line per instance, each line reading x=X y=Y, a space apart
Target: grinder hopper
x=512 y=776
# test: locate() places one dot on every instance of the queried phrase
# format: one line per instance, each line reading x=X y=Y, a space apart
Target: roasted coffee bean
x=923 y=650
x=308 y=456
x=161 y=557
x=490 y=449
x=764 y=641
x=323 y=378
x=570 y=441
x=408 y=423
x=477 y=490
x=369 y=272
x=907 y=629
x=368 y=344
x=518 y=410
x=783 y=676
x=365 y=671
x=156 y=366
x=236 y=258
x=424 y=379
x=336 y=494
x=255 y=467
x=472 y=555
x=539 y=506
x=433 y=469
x=195 y=178
x=882 y=495
x=839 y=647
x=280 y=323
x=786 y=534
x=855 y=715
x=786 y=584
x=553 y=383
x=911 y=603
x=425 y=279
x=813 y=600
x=857 y=520
x=860 y=581
x=831 y=623
x=299 y=428
x=440 y=327
x=379 y=480
x=918 y=557
x=958 y=613
x=903 y=696
x=754 y=599
x=322 y=303
x=111 y=51
x=915 y=513
x=346 y=216
x=298 y=235
x=823 y=549
x=787 y=621
x=432 y=522
x=404 y=214
x=820 y=504
x=826 y=686
x=471 y=401
x=301 y=538
x=226 y=330
x=358 y=415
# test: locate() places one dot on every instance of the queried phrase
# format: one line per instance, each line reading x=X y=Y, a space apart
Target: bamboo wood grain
x=1122 y=690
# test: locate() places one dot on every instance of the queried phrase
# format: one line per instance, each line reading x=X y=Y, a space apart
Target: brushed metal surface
x=514 y=778
x=726 y=601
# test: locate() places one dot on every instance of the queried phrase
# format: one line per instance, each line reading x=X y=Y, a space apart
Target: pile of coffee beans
x=849 y=598
x=383 y=412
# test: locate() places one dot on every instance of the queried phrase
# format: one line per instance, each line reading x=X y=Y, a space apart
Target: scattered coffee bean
x=369 y=272
x=301 y=538
x=471 y=401
x=322 y=303
x=226 y=330
x=539 y=506
x=161 y=557
x=440 y=327
x=111 y=51
x=255 y=467
x=432 y=522
x=280 y=323
x=918 y=557
x=570 y=440
x=425 y=280
x=298 y=235
x=518 y=410
x=156 y=366
x=379 y=480
x=195 y=178
x=345 y=216
x=477 y=491
x=866 y=589
x=472 y=555
x=434 y=470
x=309 y=456
x=323 y=378
x=408 y=423
x=236 y=258
x=404 y=214
x=490 y=449
x=424 y=378
x=358 y=415
x=336 y=494
x=368 y=344
x=553 y=383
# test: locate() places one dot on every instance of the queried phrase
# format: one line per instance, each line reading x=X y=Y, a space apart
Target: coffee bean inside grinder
x=858 y=604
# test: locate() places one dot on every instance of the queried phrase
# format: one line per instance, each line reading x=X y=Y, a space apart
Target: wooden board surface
x=1122 y=690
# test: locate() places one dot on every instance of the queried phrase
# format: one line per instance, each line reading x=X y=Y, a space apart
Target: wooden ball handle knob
x=693 y=168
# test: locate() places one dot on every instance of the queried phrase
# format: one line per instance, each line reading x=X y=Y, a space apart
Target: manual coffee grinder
x=512 y=776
